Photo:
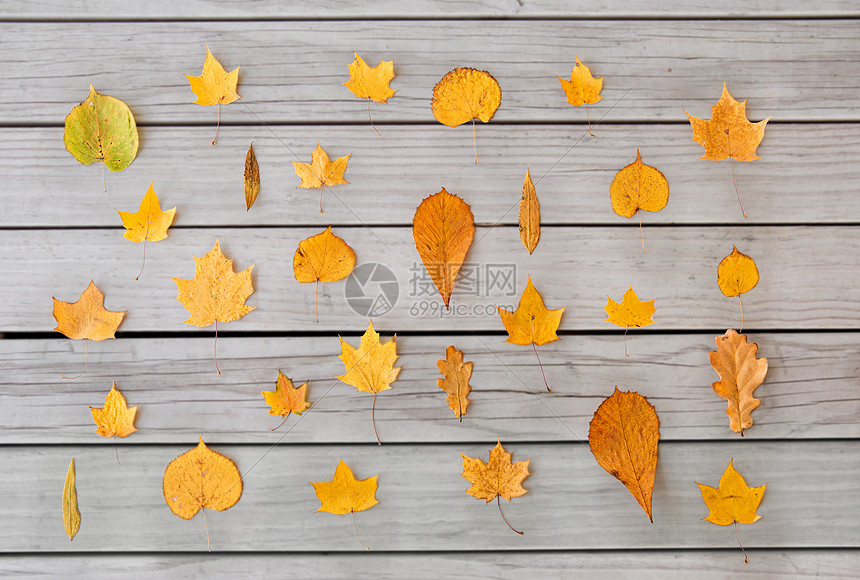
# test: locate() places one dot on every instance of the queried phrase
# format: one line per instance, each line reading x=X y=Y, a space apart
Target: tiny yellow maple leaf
x=630 y=312
x=87 y=318
x=148 y=223
x=116 y=418
x=214 y=86
x=496 y=478
x=733 y=501
x=737 y=274
x=582 y=88
x=345 y=494
x=321 y=171
x=286 y=398
x=728 y=133
x=368 y=82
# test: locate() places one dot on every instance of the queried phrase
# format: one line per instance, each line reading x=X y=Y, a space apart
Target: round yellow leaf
x=737 y=274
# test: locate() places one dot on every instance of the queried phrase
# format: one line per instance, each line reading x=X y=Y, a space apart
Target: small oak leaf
x=116 y=418
x=456 y=382
x=741 y=373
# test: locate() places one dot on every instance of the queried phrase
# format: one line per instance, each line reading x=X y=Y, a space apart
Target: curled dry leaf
x=321 y=171
x=252 y=178
x=456 y=382
x=740 y=375
x=345 y=494
x=496 y=478
x=71 y=513
x=638 y=187
x=443 y=227
x=286 y=398
x=116 y=418
x=323 y=258
x=623 y=436
x=102 y=128
x=529 y=216
x=466 y=94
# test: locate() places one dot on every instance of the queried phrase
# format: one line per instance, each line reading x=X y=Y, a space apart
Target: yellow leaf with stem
x=148 y=223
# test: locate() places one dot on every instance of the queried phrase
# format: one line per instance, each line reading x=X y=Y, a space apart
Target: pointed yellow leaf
x=286 y=398
x=531 y=322
x=737 y=274
x=728 y=133
x=638 y=186
x=148 y=222
x=87 y=318
x=733 y=501
x=370 y=367
x=529 y=216
x=582 y=88
x=345 y=494
x=630 y=312
x=252 y=178
x=116 y=418
x=214 y=86
x=368 y=82
x=71 y=513
x=321 y=170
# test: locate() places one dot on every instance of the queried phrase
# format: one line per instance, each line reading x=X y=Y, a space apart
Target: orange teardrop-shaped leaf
x=529 y=216
x=456 y=382
x=443 y=227
x=741 y=373
x=623 y=437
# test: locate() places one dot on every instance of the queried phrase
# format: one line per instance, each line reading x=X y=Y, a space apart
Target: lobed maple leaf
x=529 y=215
x=728 y=133
x=214 y=86
x=456 y=382
x=630 y=312
x=345 y=494
x=321 y=171
x=148 y=223
x=116 y=418
x=582 y=88
x=496 y=478
x=623 y=436
x=741 y=373
x=465 y=94
x=87 y=318
x=252 y=178
x=286 y=399
x=368 y=82
x=324 y=257
x=638 y=187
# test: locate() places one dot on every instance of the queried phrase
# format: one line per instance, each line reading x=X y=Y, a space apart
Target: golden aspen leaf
x=286 y=398
x=199 y=479
x=368 y=82
x=71 y=513
x=740 y=374
x=496 y=478
x=214 y=86
x=582 y=88
x=87 y=318
x=323 y=258
x=465 y=94
x=102 y=128
x=443 y=227
x=456 y=382
x=531 y=322
x=737 y=274
x=529 y=216
x=148 y=223
x=733 y=501
x=115 y=419
x=321 y=171
x=728 y=133
x=638 y=186
x=216 y=293
x=252 y=178
x=623 y=436
x=345 y=494
x=630 y=312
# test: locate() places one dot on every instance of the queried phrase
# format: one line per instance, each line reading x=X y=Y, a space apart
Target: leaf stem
x=356 y=531
x=732 y=165
x=641 y=233
x=316 y=301
x=144 y=256
x=205 y=521
x=86 y=360
x=116 y=450
x=541 y=368
x=740 y=302
x=218 y=125
x=215 y=347
x=475 y=140
x=371 y=120
x=282 y=422
x=373 y=419
x=104 y=183
x=738 y=536
x=587 y=116
x=625 y=342
x=499 y=503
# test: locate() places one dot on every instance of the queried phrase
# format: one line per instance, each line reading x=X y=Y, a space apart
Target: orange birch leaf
x=630 y=312
x=638 y=187
x=529 y=216
x=456 y=382
x=740 y=375
x=623 y=436
x=733 y=501
x=87 y=318
x=116 y=418
x=497 y=478
x=252 y=178
x=464 y=94
x=737 y=274
x=728 y=133
x=443 y=227
x=324 y=257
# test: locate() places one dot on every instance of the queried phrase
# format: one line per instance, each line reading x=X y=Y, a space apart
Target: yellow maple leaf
x=741 y=373
x=737 y=274
x=370 y=83
x=465 y=94
x=496 y=478
x=200 y=479
x=456 y=382
x=345 y=494
x=728 y=133
x=324 y=257
x=529 y=215
x=582 y=88
x=733 y=501
x=638 y=186
x=116 y=418
x=286 y=398
x=148 y=223
x=630 y=312
x=214 y=86
x=87 y=318
x=321 y=171
x=370 y=367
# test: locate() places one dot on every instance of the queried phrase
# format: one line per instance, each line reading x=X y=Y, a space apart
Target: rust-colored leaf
x=252 y=178
x=456 y=382
x=286 y=398
x=740 y=375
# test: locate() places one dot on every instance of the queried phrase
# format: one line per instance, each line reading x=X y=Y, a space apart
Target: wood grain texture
x=653 y=69
x=576 y=267
x=45 y=186
x=810 y=390
x=764 y=564
x=423 y=507
x=307 y=9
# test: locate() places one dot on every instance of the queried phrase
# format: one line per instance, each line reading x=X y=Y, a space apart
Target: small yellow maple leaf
x=321 y=171
x=116 y=418
x=368 y=82
x=87 y=318
x=630 y=312
x=728 y=133
x=531 y=322
x=733 y=501
x=148 y=223
x=286 y=398
x=741 y=373
x=456 y=382
x=496 y=478
x=582 y=88
x=345 y=494
x=214 y=86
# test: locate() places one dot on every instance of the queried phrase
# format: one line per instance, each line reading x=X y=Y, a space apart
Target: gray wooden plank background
x=795 y=61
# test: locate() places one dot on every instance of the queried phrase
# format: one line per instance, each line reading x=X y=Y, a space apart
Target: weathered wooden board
x=44 y=186
x=292 y=71
x=810 y=392
x=591 y=565
x=423 y=507
x=307 y=9
x=805 y=279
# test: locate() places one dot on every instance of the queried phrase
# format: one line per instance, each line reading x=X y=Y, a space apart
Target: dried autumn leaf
x=370 y=367
x=370 y=83
x=71 y=513
x=466 y=94
x=200 y=479
x=116 y=418
x=582 y=88
x=321 y=171
x=532 y=322
x=630 y=312
x=737 y=274
x=623 y=436
x=496 y=478
x=148 y=223
x=252 y=178
x=216 y=293
x=529 y=216
x=638 y=186
x=740 y=374
x=214 y=86
x=102 y=128
x=345 y=494
x=456 y=382
x=443 y=227
x=324 y=257
x=286 y=399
